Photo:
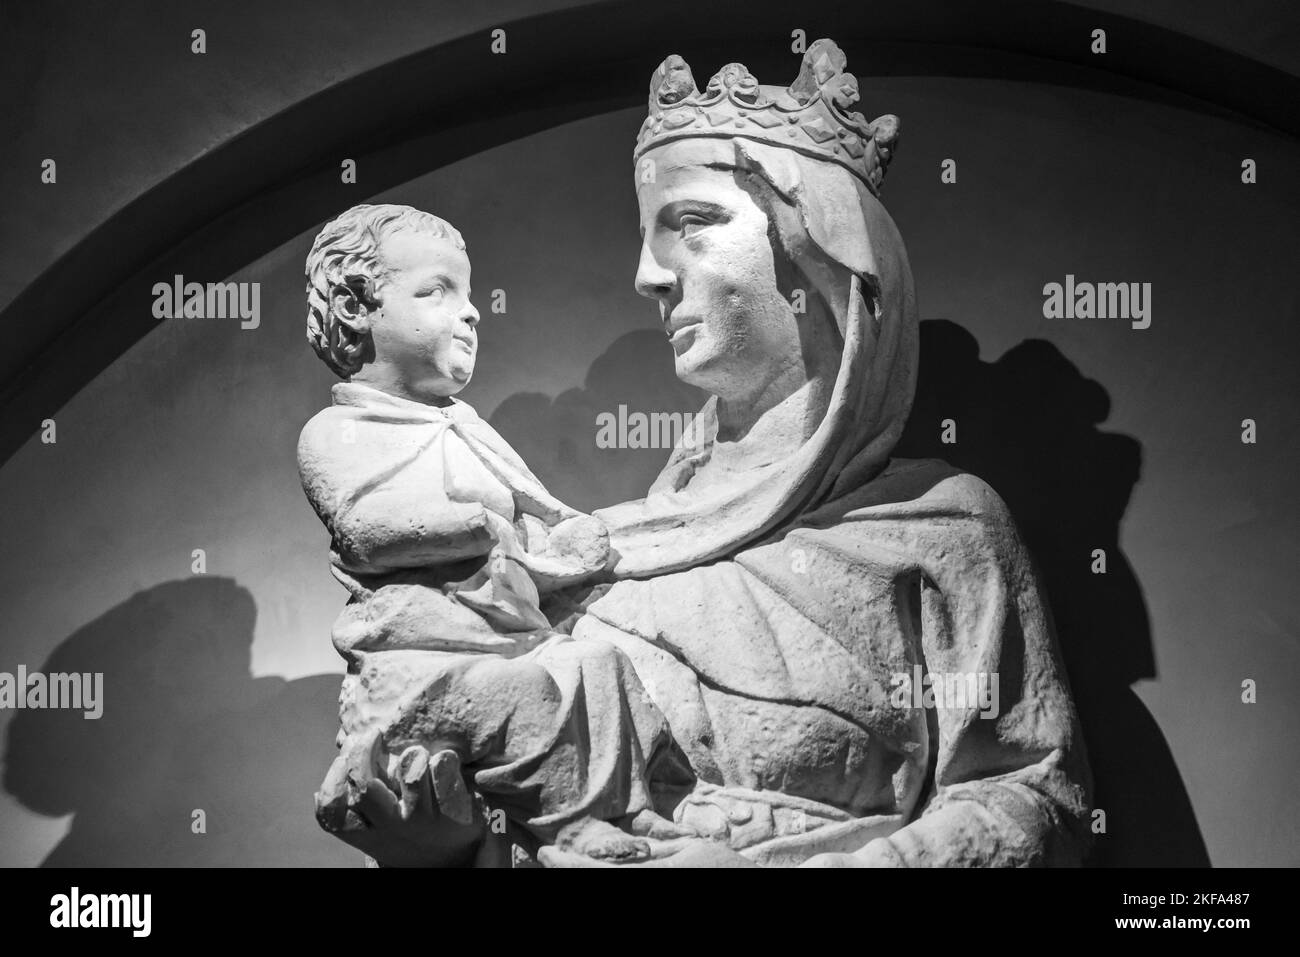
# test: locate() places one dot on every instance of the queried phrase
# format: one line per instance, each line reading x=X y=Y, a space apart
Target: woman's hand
x=573 y=551
x=429 y=821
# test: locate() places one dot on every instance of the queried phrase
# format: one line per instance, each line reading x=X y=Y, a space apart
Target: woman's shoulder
x=928 y=509
x=963 y=490
x=930 y=486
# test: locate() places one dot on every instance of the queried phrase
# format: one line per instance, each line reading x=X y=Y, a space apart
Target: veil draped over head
x=674 y=527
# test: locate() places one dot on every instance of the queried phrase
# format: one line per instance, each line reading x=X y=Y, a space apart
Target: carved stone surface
x=445 y=541
x=795 y=650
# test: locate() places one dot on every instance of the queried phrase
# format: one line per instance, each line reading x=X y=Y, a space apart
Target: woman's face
x=707 y=256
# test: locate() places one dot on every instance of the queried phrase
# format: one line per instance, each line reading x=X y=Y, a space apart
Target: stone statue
x=443 y=538
x=852 y=654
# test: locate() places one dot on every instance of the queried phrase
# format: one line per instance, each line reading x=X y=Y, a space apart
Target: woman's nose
x=652 y=280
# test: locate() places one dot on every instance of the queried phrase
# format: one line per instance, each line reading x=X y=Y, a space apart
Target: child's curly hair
x=346 y=253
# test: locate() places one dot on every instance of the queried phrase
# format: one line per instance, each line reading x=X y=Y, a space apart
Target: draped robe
x=445 y=643
x=774 y=671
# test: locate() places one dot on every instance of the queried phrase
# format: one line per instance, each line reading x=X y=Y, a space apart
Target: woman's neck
x=774 y=423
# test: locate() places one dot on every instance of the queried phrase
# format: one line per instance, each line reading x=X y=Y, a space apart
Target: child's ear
x=351 y=307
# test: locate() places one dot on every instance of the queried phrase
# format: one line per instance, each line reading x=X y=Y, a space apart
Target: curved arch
x=258 y=189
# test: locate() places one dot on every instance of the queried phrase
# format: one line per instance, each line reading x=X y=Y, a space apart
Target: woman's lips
x=683 y=336
x=673 y=326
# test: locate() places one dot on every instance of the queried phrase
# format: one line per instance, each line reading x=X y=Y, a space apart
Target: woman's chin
x=688 y=374
x=707 y=371
x=692 y=364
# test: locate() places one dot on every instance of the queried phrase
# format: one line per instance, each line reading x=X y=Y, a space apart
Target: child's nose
x=470 y=314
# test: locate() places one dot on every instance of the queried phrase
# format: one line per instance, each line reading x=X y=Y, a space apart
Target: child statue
x=446 y=542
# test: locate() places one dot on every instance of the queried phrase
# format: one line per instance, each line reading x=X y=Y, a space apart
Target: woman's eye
x=691 y=222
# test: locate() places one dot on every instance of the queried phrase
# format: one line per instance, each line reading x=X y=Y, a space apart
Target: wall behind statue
x=219 y=687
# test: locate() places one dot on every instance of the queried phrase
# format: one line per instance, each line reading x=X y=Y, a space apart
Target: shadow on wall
x=560 y=439
x=1027 y=424
x=184 y=727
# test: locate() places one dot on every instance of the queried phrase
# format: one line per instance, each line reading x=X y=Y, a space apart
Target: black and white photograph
x=630 y=435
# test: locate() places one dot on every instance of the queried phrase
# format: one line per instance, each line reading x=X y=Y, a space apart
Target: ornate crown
x=812 y=116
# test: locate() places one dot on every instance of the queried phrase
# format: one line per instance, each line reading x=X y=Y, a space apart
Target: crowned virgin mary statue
x=852 y=650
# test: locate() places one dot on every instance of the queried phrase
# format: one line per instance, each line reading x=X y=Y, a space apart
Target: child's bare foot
x=601 y=841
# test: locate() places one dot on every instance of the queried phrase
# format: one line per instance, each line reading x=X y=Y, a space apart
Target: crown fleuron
x=811 y=116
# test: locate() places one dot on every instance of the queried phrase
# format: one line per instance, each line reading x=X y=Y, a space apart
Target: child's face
x=424 y=330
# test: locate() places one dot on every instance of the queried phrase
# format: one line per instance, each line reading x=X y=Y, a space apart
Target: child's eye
x=434 y=291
